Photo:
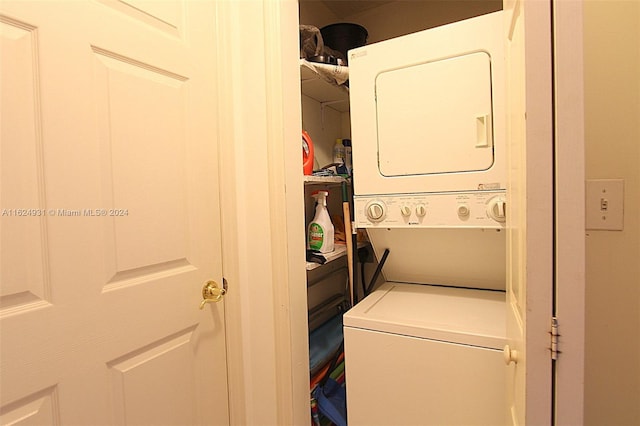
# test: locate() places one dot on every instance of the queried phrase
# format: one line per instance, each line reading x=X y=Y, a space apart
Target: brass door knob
x=211 y=293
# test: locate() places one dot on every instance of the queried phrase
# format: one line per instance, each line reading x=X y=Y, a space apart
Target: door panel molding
x=25 y=268
x=40 y=408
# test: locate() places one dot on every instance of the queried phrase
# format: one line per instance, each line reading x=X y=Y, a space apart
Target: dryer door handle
x=484 y=131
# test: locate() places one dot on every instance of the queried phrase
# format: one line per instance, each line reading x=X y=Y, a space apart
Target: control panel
x=459 y=210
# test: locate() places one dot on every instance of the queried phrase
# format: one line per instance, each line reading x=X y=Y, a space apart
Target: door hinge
x=554 y=338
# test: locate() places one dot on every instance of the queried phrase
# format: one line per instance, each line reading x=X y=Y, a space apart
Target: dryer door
x=427 y=110
x=435 y=117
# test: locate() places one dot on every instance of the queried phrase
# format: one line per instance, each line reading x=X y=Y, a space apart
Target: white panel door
x=530 y=211
x=110 y=216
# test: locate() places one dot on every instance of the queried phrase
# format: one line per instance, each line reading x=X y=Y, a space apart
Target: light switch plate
x=605 y=204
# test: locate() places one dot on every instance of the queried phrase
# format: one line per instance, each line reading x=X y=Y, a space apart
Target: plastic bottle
x=320 y=231
x=338 y=152
x=347 y=155
x=307 y=154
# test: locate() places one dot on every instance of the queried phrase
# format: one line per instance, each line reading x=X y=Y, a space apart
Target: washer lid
x=457 y=315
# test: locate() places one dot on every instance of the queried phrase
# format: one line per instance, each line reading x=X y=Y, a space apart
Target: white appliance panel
x=426 y=355
x=446 y=104
x=427 y=111
x=472 y=258
x=479 y=209
x=401 y=380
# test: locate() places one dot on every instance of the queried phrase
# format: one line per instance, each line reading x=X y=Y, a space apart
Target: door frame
x=569 y=179
x=261 y=200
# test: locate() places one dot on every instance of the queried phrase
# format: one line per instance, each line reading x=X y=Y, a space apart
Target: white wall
x=404 y=17
x=316 y=13
x=324 y=126
x=399 y=17
x=612 y=117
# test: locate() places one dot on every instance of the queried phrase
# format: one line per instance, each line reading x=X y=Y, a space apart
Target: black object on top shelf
x=344 y=36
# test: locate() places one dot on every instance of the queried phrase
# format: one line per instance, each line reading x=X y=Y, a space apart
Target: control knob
x=405 y=211
x=421 y=210
x=497 y=209
x=375 y=211
x=463 y=210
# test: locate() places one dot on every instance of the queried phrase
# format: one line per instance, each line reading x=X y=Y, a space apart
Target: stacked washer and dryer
x=428 y=130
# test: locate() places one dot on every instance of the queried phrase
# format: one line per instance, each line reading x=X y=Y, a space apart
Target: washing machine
x=425 y=355
x=426 y=347
x=428 y=135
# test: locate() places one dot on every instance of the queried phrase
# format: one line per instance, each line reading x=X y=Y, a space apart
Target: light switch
x=605 y=204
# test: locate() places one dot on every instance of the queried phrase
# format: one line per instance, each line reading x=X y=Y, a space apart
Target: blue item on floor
x=332 y=401
x=324 y=341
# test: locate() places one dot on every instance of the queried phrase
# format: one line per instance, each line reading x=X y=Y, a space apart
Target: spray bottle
x=320 y=231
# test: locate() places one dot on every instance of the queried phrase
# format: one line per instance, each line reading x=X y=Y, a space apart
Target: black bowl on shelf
x=344 y=36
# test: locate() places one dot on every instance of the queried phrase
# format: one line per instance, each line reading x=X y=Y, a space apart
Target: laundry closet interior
x=428 y=233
